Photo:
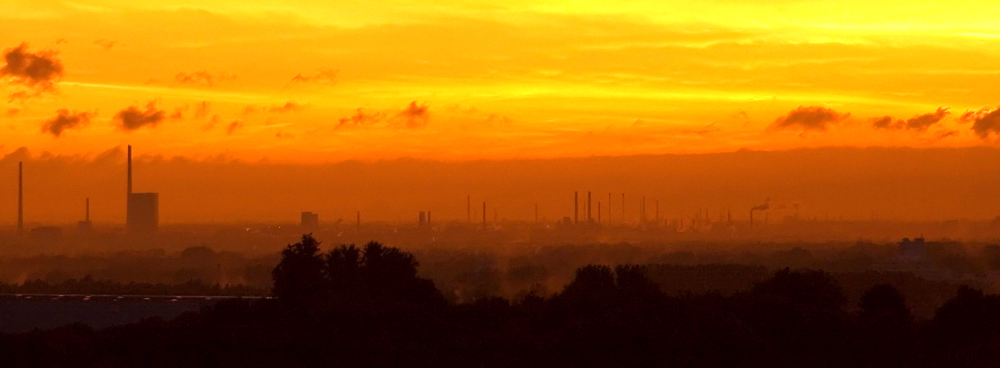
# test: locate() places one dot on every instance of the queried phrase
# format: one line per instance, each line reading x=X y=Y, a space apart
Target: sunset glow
x=314 y=81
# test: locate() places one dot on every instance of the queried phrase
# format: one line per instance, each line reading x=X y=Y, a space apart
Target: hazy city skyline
x=829 y=183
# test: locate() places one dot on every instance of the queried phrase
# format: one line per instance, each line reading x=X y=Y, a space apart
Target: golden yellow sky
x=314 y=81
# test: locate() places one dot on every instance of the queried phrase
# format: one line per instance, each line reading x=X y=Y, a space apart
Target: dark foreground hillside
x=367 y=307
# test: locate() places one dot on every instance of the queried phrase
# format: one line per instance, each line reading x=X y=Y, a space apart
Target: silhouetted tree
x=882 y=303
x=633 y=284
x=886 y=329
x=965 y=331
x=343 y=269
x=299 y=278
x=591 y=290
x=801 y=314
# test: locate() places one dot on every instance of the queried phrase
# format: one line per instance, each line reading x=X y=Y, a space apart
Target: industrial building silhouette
x=142 y=214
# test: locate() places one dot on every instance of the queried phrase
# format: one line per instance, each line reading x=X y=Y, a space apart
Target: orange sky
x=310 y=81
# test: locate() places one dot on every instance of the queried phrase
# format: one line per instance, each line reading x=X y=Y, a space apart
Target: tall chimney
x=130 y=169
x=20 y=198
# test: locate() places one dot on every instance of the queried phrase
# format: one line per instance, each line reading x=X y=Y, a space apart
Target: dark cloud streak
x=814 y=118
x=132 y=117
x=65 y=120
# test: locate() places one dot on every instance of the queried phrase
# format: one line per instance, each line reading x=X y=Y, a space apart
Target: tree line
x=368 y=306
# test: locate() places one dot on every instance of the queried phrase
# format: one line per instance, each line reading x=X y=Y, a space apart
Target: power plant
x=142 y=209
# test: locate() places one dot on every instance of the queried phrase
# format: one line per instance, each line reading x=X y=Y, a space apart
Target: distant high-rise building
x=310 y=220
x=142 y=210
x=422 y=221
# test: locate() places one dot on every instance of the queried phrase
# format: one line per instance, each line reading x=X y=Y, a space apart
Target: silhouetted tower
x=129 y=170
x=85 y=226
x=576 y=208
x=142 y=209
x=309 y=220
x=422 y=219
x=20 y=198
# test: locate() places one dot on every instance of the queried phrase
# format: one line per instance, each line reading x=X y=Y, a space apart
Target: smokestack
x=576 y=208
x=130 y=169
x=20 y=198
x=87 y=216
